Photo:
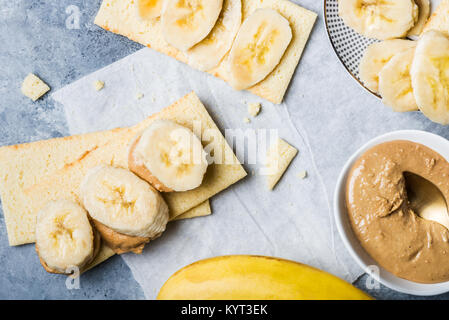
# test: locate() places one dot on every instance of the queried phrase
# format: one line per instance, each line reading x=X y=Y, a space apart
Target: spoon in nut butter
x=426 y=199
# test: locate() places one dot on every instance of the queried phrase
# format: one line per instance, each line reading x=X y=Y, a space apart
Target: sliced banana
x=379 y=19
x=187 y=22
x=258 y=48
x=149 y=9
x=64 y=236
x=395 y=83
x=123 y=202
x=430 y=76
x=375 y=58
x=424 y=12
x=208 y=53
x=171 y=155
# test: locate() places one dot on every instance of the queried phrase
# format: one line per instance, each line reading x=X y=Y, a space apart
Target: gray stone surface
x=35 y=38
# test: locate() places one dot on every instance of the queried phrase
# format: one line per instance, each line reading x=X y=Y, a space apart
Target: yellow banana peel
x=255 y=278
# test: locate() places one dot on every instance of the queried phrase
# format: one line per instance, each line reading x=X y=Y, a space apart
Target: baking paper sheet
x=325 y=114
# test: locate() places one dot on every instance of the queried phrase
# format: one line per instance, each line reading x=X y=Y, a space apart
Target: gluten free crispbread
x=64 y=183
x=121 y=17
x=22 y=166
x=279 y=156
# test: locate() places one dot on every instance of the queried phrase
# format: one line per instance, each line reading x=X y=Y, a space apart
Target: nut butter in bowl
x=382 y=215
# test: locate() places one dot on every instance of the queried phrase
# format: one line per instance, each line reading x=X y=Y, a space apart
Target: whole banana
x=379 y=19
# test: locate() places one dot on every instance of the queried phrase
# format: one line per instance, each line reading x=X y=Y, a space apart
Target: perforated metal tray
x=348 y=45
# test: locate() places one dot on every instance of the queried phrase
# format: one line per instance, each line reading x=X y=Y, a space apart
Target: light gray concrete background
x=34 y=38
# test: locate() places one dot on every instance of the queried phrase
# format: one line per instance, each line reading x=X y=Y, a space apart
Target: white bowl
x=356 y=250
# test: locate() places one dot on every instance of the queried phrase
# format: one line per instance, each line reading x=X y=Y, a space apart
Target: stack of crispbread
x=33 y=174
x=120 y=16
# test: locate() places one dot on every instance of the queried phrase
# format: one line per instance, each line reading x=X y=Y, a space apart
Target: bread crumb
x=98 y=85
x=139 y=95
x=302 y=174
x=254 y=109
x=246 y=120
x=33 y=87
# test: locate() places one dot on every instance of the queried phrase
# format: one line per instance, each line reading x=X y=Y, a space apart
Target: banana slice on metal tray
x=379 y=19
x=430 y=76
x=395 y=83
x=149 y=9
x=375 y=58
x=424 y=12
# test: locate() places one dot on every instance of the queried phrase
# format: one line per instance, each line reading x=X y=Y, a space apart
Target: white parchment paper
x=325 y=114
x=293 y=221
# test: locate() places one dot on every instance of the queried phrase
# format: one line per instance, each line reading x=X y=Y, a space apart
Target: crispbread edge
x=272 y=88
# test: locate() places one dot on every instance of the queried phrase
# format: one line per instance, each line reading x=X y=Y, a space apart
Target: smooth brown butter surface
x=382 y=219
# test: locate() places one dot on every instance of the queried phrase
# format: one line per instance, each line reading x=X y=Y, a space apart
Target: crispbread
x=439 y=20
x=120 y=16
x=105 y=252
x=201 y=210
x=279 y=157
x=33 y=87
x=24 y=165
x=64 y=183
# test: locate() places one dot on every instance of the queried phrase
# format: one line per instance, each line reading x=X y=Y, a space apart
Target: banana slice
x=64 y=237
x=187 y=22
x=395 y=83
x=375 y=58
x=258 y=48
x=149 y=9
x=124 y=203
x=169 y=156
x=424 y=12
x=208 y=53
x=379 y=19
x=430 y=76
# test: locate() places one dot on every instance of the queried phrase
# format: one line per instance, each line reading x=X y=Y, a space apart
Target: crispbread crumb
x=254 y=109
x=246 y=120
x=98 y=85
x=139 y=95
x=33 y=87
x=302 y=174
